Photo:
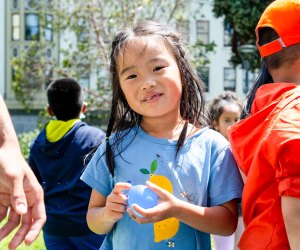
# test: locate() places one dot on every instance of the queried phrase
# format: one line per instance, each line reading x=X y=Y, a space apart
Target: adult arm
x=21 y=196
x=290 y=212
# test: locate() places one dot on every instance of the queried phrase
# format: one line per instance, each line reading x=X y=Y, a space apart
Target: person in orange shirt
x=265 y=143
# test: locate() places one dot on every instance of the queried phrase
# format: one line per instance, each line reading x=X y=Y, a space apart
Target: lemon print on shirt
x=167 y=228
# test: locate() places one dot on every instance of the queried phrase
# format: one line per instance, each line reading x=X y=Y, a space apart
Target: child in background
x=266 y=142
x=225 y=110
x=157 y=132
x=57 y=159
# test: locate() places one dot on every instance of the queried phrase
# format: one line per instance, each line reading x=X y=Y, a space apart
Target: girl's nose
x=148 y=83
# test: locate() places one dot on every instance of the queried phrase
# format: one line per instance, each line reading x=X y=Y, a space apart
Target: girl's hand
x=165 y=208
x=116 y=202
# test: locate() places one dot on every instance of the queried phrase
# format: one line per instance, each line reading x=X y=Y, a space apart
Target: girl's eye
x=131 y=77
x=158 y=68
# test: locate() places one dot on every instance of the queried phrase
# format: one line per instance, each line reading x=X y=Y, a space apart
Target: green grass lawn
x=36 y=245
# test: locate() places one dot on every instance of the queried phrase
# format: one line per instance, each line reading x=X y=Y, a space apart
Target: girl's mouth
x=152 y=97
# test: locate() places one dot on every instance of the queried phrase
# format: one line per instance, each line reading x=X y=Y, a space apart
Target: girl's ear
x=84 y=107
x=49 y=110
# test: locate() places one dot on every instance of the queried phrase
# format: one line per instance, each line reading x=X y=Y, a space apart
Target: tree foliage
x=242 y=16
x=85 y=29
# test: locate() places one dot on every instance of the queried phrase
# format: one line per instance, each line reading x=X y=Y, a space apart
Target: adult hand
x=21 y=198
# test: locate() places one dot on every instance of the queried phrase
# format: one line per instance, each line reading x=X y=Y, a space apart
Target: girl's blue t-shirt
x=203 y=173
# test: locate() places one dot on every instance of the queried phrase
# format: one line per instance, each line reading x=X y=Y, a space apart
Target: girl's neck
x=169 y=130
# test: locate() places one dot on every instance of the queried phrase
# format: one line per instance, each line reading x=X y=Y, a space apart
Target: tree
x=242 y=16
x=87 y=28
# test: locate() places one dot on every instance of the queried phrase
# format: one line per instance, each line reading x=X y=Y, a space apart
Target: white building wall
x=220 y=57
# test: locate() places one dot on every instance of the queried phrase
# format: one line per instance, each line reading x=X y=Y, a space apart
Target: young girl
x=157 y=135
x=225 y=110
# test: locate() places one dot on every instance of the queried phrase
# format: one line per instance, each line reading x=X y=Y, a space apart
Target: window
x=15 y=51
x=203 y=73
x=49 y=53
x=203 y=31
x=31 y=4
x=83 y=32
x=15 y=26
x=228 y=33
x=32 y=29
x=183 y=29
x=229 y=79
x=251 y=79
x=85 y=81
x=15 y=4
x=48 y=27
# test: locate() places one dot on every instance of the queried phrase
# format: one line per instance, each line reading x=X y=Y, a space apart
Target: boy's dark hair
x=65 y=98
x=286 y=56
x=278 y=42
x=192 y=100
x=216 y=108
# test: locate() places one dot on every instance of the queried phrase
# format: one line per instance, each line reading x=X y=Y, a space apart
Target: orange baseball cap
x=283 y=16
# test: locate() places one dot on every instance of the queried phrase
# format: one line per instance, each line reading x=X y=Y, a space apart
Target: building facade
x=19 y=22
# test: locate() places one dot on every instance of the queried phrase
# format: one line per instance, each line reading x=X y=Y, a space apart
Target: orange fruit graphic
x=164 y=229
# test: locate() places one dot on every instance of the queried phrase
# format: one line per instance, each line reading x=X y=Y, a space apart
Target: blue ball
x=142 y=196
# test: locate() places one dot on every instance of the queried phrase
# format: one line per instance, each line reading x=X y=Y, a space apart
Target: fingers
x=120 y=186
x=158 y=190
x=12 y=222
x=18 y=198
x=141 y=215
x=3 y=211
x=117 y=195
x=22 y=231
x=37 y=221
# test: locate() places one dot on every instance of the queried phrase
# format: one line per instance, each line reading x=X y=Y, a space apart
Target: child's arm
x=104 y=212
x=290 y=211
x=221 y=220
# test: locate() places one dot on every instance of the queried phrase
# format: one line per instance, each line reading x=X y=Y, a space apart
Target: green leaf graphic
x=144 y=171
x=153 y=166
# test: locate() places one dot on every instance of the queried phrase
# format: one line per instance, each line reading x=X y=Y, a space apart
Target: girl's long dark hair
x=265 y=36
x=264 y=77
x=122 y=117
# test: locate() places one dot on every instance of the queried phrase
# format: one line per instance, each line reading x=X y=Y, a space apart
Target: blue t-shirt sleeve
x=225 y=181
x=96 y=174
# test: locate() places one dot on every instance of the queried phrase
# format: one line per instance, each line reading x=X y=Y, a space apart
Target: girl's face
x=150 y=79
x=231 y=114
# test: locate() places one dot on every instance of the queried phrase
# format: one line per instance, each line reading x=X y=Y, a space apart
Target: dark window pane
x=228 y=33
x=203 y=73
x=203 y=31
x=49 y=28
x=229 y=79
x=32 y=29
x=15 y=52
x=16 y=4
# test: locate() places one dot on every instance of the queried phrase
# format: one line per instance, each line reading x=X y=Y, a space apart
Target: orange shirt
x=266 y=147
